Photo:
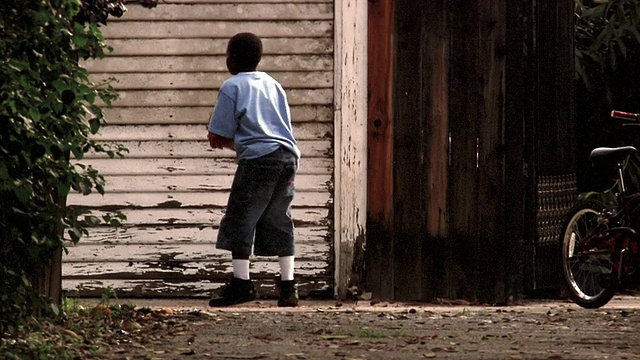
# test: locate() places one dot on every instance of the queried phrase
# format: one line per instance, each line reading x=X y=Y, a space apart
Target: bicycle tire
x=583 y=275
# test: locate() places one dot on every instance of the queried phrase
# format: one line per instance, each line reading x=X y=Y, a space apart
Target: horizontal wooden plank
x=185 y=279
x=115 y=198
x=231 y=11
x=181 y=64
x=198 y=183
x=212 y=46
x=302 y=131
x=201 y=149
x=182 y=234
x=316 y=286
x=206 y=80
x=192 y=166
x=187 y=270
x=183 y=98
x=151 y=279
x=200 y=114
x=168 y=253
x=132 y=3
x=302 y=216
x=216 y=29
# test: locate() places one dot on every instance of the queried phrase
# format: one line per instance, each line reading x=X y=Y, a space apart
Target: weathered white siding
x=351 y=149
x=169 y=62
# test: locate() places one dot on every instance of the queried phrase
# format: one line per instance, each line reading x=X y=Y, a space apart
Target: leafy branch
x=604 y=31
x=48 y=112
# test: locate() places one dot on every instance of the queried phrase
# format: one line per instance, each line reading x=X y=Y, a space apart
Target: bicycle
x=600 y=243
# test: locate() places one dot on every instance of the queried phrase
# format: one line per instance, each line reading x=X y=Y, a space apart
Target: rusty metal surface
x=556 y=195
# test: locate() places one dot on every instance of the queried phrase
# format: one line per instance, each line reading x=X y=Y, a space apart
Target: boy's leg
x=286 y=267
x=274 y=232
x=274 y=229
x=240 y=262
x=253 y=184
x=287 y=284
x=251 y=190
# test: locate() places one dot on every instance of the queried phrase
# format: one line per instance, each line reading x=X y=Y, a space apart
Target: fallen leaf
x=334 y=337
x=101 y=311
x=71 y=334
x=166 y=311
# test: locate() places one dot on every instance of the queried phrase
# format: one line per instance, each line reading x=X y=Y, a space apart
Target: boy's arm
x=219 y=142
x=222 y=121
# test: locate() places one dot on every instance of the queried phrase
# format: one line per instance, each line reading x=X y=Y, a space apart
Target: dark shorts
x=258 y=215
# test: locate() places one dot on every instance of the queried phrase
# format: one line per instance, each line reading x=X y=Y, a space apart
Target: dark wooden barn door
x=454 y=144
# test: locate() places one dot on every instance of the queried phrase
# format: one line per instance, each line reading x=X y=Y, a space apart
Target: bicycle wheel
x=587 y=263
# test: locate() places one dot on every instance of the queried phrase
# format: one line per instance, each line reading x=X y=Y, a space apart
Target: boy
x=252 y=117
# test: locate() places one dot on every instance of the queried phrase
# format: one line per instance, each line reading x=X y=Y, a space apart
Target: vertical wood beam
x=554 y=126
x=47 y=277
x=555 y=119
x=350 y=147
x=435 y=145
x=566 y=54
x=379 y=274
x=517 y=98
x=407 y=148
x=464 y=97
x=491 y=251
x=435 y=128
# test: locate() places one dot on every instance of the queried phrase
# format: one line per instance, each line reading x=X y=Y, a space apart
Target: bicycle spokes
x=590 y=271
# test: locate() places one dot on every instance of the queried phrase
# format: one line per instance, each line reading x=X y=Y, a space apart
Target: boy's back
x=252 y=109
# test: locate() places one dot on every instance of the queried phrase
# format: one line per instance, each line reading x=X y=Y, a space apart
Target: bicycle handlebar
x=616 y=114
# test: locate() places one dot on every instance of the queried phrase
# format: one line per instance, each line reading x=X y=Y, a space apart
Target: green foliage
x=108 y=294
x=48 y=111
x=607 y=33
x=607 y=51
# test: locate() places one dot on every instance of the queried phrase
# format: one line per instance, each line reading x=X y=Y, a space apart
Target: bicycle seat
x=616 y=154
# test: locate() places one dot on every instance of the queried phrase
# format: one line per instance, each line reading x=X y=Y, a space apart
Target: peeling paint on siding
x=350 y=137
x=172 y=187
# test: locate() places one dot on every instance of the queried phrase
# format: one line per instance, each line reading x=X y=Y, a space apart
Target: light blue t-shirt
x=252 y=109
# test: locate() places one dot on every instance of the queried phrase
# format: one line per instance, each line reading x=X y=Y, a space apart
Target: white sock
x=240 y=268
x=286 y=268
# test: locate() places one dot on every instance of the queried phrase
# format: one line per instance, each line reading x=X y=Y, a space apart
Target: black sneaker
x=288 y=293
x=236 y=291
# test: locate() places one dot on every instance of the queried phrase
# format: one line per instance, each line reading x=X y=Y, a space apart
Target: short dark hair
x=245 y=49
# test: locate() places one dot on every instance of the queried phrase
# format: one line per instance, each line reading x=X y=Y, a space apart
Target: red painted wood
x=380 y=146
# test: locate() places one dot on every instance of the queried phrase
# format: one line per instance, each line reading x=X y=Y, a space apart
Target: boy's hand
x=218 y=142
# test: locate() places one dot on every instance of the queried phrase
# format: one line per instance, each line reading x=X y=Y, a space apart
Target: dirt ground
x=349 y=330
